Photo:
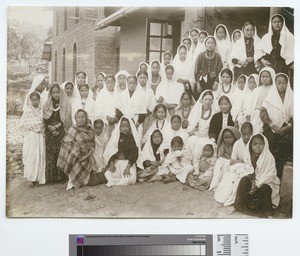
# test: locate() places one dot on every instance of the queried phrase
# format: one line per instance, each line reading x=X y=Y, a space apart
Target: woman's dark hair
x=100 y=74
x=84 y=85
x=160 y=105
x=248 y=23
x=186 y=93
x=111 y=77
x=227 y=71
x=221 y=26
x=243 y=77
x=98 y=121
x=67 y=83
x=176 y=116
x=132 y=76
x=35 y=94
x=169 y=66
x=203 y=32
x=278 y=16
x=209 y=145
x=183 y=46
x=81 y=72
x=83 y=111
x=247 y=126
x=167 y=53
x=55 y=85
x=224 y=97
x=154 y=132
x=142 y=72
x=256 y=136
x=156 y=61
x=178 y=140
x=282 y=75
x=209 y=37
x=207 y=93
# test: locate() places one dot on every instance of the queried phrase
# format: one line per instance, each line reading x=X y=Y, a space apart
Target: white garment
x=279 y=112
x=100 y=145
x=224 y=46
x=225 y=120
x=286 y=41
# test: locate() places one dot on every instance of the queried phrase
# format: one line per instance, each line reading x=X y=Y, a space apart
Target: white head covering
x=232 y=35
x=37 y=80
x=200 y=46
x=88 y=105
x=183 y=69
x=286 y=41
x=280 y=112
x=237 y=98
x=159 y=73
x=76 y=89
x=112 y=145
x=95 y=80
x=247 y=94
x=265 y=172
x=193 y=47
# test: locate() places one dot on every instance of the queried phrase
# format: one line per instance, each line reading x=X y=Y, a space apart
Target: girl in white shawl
x=68 y=87
x=277 y=114
x=223 y=42
x=99 y=84
x=121 y=90
x=169 y=91
x=176 y=130
x=121 y=154
x=251 y=84
x=32 y=124
x=200 y=46
x=276 y=48
x=236 y=35
x=166 y=59
x=87 y=102
x=155 y=76
x=80 y=78
x=184 y=69
x=258 y=192
x=194 y=33
x=152 y=155
x=225 y=86
x=188 y=43
x=242 y=55
x=104 y=106
x=266 y=81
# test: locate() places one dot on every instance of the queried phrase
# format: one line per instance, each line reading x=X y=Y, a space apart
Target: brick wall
x=94 y=48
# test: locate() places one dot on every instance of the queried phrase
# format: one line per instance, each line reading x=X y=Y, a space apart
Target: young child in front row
x=176 y=130
x=178 y=163
x=203 y=165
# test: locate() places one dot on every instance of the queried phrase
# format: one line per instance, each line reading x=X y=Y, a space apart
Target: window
x=65 y=18
x=74 y=60
x=159 y=39
x=76 y=15
x=64 y=65
x=55 y=66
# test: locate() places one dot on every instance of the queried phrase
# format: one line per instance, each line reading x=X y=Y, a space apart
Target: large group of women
x=217 y=116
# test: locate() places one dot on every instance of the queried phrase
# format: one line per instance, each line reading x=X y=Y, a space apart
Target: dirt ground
x=142 y=200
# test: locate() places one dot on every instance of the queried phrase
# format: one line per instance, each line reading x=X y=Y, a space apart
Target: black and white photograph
x=150 y=112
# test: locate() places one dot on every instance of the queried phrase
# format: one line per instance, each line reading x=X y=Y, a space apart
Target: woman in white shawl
x=266 y=82
x=188 y=43
x=201 y=114
x=258 y=192
x=200 y=46
x=166 y=59
x=277 y=113
x=242 y=55
x=223 y=42
x=104 y=106
x=236 y=35
x=34 y=149
x=184 y=69
x=169 y=91
x=276 y=48
x=74 y=98
x=121 y=154
x=80 y=78
x=38 y=84
x=194 y=33
x=155 y=76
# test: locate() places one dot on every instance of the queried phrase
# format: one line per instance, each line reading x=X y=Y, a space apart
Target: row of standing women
x=173 y=120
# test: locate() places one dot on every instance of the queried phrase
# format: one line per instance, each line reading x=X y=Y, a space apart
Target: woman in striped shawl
x=75 y=156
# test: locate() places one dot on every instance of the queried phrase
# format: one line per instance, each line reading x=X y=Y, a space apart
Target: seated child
x=121 y=154
x=203 y=165
x=176 y=130
x=152 y=155
x=228 y=136
x=178 y=163
x=75 y=156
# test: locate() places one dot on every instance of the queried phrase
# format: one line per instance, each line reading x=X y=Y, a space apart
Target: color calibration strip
x=144 y=250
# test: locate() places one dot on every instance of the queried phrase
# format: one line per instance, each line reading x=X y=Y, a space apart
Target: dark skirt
x=281 y=147
x=259 y=205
